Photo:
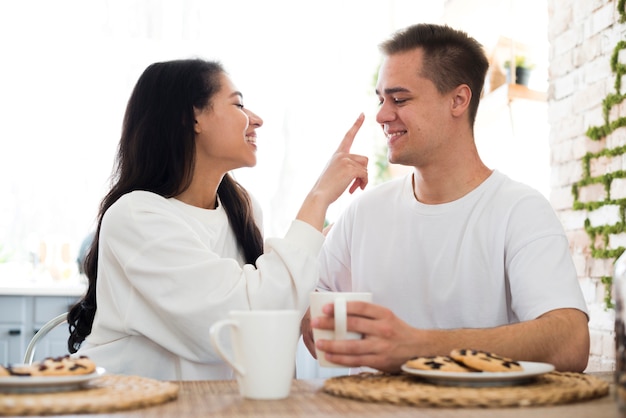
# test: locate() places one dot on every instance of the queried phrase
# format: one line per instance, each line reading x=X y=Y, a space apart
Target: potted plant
x=522 y=70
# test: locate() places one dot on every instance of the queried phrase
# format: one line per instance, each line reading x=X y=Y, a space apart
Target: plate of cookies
x=466 y=367
x=52 y=374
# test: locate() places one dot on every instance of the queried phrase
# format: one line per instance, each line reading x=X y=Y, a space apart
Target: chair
x=49 y=326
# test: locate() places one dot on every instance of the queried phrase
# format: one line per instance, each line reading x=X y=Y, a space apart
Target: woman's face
x=226 y=131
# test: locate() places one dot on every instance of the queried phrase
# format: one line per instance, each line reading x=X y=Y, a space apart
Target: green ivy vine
x=600 y=234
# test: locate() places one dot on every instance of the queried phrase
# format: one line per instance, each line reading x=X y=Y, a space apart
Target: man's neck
x=438 y=185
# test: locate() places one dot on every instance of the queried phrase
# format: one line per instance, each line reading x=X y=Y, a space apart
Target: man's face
x=413 y=114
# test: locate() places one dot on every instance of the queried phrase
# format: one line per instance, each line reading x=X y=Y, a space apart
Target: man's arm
x=559 y=337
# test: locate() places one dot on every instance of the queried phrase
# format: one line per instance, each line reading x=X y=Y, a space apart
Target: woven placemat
x=549 y=389
x=108 y=393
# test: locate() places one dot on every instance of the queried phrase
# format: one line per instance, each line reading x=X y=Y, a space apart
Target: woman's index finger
x=348 y=139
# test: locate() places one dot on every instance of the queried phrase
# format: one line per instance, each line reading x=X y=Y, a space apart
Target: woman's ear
x=461 y=98
x=196 y=126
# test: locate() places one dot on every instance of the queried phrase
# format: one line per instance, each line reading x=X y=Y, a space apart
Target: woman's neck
x=202 y=194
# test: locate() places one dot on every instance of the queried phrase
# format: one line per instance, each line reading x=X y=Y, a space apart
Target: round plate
x=531 y=371
x=42 y=384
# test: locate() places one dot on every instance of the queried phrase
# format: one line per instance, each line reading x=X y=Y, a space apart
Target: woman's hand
x=342 y=169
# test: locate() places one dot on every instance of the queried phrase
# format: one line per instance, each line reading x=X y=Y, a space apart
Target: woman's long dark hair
x=156 y=153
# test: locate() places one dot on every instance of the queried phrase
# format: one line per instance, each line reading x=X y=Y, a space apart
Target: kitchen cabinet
x=21 y=316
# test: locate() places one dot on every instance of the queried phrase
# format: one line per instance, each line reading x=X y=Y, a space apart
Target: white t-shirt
x=496 y=256
x=167 y=271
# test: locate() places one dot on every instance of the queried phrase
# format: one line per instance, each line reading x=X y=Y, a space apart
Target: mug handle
x=341 y=319
x=217 y=345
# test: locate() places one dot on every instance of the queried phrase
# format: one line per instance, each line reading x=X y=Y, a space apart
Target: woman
x=177 y=243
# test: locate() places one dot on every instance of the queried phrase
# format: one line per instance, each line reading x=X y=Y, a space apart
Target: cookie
x=53 y=366
x=485 y=361
x=438 y=363
x=64 y=366
x=20 y=370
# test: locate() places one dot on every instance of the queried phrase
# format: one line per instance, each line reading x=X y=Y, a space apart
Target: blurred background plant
x=5 y=253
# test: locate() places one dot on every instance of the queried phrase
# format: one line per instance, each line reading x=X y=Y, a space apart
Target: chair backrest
x=49 y=326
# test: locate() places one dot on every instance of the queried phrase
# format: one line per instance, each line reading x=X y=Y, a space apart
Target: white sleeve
x=335 y=257
x=539 y=265
x=157 y=278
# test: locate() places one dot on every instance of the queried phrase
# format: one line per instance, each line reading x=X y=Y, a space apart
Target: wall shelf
x=518 y=91
x=506 y=93
x=507 y=49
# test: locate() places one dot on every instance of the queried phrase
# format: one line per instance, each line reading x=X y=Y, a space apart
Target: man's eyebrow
x=393 y=90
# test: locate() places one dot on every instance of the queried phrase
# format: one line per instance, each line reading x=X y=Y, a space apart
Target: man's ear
x=461 y=97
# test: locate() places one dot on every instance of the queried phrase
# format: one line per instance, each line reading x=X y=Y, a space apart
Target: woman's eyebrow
x=236 y=93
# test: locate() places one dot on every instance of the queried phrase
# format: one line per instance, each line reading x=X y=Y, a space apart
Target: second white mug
x=264 y=344
x=317 y=301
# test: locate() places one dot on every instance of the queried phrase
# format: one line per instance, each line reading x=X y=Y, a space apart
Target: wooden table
x=222 y=399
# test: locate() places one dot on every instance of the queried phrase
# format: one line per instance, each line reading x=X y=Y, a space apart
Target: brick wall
x=583 y=36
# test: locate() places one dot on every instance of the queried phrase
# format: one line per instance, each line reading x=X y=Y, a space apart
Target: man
x=456 y=255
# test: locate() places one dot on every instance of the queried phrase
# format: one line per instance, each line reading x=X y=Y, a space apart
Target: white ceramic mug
x=318 y=300
x=264 y=344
